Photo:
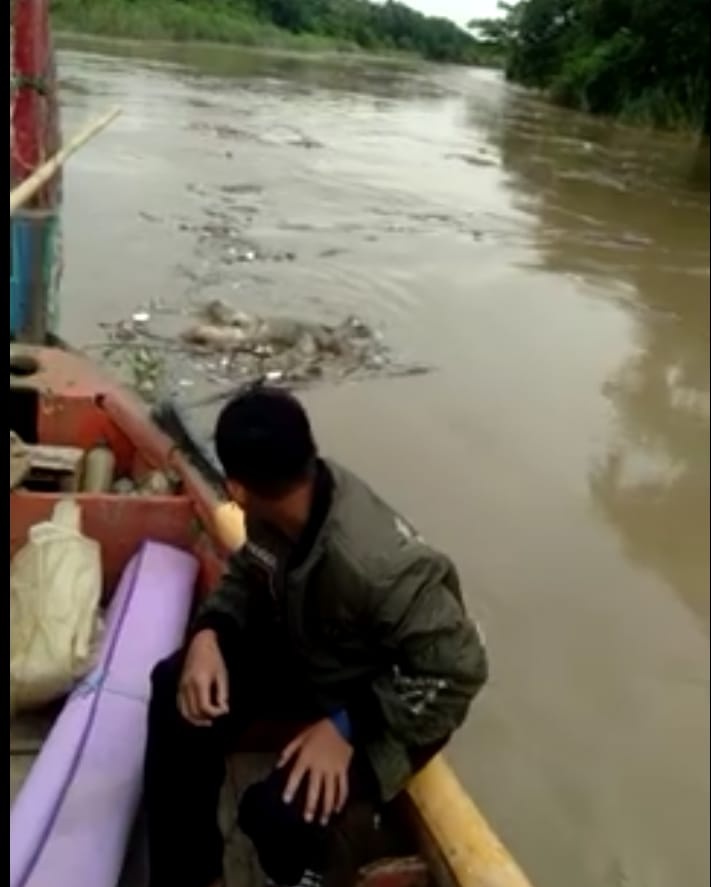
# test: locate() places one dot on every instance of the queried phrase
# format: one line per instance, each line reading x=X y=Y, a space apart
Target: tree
x=642 y=59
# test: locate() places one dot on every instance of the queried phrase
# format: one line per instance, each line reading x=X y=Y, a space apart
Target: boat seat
x=71 y=822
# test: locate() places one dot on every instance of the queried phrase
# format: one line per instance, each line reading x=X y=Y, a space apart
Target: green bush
x=641 y=60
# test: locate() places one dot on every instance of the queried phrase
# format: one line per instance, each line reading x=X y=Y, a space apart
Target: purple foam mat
x=35 y=805
x=90 y=834
x=67 y=805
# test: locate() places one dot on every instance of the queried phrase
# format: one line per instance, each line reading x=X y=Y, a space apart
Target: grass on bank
x=214 y=21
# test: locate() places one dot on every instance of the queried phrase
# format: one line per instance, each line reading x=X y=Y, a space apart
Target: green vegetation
x=210 y=20
x=645 y=61
x=340 y=24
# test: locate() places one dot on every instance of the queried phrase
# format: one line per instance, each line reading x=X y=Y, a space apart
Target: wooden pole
x=25 y=191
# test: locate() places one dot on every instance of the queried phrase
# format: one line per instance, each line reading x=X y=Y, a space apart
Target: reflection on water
x=657 y=474
x=630 y=212
x=555 y=270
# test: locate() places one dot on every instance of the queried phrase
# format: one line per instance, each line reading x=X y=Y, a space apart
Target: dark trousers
x=185 y=770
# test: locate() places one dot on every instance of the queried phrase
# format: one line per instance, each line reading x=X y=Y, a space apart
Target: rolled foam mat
x=71 y=821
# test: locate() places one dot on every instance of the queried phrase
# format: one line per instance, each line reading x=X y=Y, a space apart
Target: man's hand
x=203 y=693
x=325 y=755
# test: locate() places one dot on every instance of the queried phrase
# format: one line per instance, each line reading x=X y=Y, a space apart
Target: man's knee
x=284 y=842
x=262 y=808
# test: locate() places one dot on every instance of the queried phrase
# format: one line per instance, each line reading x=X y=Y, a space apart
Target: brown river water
x=554 y=270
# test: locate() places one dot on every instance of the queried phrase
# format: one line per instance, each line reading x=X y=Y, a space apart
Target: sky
x=460 y=11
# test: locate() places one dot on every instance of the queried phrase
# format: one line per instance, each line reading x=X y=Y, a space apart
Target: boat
x=76 y=771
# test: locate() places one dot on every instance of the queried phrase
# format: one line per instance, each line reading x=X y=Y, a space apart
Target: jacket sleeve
x=225 y=609
x=437 y=664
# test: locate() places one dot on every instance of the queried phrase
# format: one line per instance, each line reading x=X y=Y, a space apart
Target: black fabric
x=286 y=845
x=185 y=770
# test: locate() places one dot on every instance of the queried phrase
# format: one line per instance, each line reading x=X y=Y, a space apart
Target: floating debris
x=284 y=349
x=285 y=135
x=221 y=313
x=226 y=346
x=147 y=368
x=210 y=335
x=244 y=188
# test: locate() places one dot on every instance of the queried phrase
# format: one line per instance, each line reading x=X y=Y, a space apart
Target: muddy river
x=554 y=272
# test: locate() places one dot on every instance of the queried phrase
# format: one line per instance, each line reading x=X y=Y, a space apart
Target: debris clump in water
x=227 y=346
x=283 y=348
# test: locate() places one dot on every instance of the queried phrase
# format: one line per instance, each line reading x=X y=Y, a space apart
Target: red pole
x=34 y=138
x=33 y=113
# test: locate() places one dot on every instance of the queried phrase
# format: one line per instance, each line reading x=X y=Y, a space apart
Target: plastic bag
x=55 y=588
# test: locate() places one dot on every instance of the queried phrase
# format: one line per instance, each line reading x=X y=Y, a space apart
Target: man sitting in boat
x=334 y=615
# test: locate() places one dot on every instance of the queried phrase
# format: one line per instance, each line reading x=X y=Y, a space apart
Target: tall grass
x=216 y=21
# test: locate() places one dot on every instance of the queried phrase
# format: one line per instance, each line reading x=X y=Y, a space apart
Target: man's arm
x=438 y=664
x=224 y=611
x=204 y=691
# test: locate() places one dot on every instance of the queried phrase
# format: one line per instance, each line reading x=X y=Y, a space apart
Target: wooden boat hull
x=59 y=398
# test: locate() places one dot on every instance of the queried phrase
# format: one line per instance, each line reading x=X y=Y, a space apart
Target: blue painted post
x=32 y=252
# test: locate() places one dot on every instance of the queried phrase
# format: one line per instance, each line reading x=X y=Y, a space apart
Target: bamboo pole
x=473 y=854
x=27 y=189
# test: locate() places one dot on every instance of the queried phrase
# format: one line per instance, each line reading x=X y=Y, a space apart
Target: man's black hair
x=264 y=441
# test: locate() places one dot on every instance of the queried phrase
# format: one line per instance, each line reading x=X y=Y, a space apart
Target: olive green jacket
x=374 y=617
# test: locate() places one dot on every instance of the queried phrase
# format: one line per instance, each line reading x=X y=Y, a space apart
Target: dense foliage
x=345 y=23
x=646 y=60
x=372 y=26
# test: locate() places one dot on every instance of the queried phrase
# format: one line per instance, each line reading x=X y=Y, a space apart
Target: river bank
x=347 y=27
x=161 y=20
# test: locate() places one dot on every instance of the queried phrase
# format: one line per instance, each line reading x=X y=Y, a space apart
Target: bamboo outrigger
x=21 y=194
